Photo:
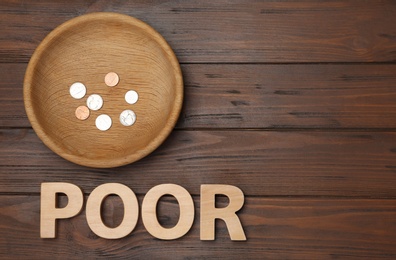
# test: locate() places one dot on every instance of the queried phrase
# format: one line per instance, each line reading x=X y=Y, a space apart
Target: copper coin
x=112 y=79
x=82 y=112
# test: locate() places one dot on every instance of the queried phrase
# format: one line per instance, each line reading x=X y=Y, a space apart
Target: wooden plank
x=12 y=110
x=275 y=229
x=261 y=96
x=290 y=96
x=348 y=164
x=224 y=31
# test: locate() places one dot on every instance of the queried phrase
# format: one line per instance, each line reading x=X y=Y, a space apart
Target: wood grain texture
x=84 y=50
x=210 y=212
x=50 y=211
x=186 y=216
x=261 y=96
x=224 y=31
x=275 y=229
x=260 y=163
x=291 y=101
x=130 y=210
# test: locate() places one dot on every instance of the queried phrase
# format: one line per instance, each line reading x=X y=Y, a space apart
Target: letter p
x=49 y=212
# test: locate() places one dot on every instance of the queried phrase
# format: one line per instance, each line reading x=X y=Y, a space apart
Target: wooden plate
x=85 y=49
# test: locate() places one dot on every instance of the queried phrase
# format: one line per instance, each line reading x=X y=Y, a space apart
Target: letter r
x=209 y=213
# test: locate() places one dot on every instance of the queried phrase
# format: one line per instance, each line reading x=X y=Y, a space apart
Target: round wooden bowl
x=85 y=49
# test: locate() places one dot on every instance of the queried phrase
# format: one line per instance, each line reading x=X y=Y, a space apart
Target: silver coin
x=127 y=117
x=77 y=90
x=131 y=97
x=103 y=122
x=94 y=102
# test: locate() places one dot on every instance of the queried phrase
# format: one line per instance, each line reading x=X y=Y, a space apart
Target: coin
x=112 y=79
x=82 y=112
x=103 y=122
x=131 y=97
x=95 y=102
x=127 y=117
x=77 y=90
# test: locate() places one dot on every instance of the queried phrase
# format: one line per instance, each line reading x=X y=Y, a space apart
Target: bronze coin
x=112 y=79
x=82 y=112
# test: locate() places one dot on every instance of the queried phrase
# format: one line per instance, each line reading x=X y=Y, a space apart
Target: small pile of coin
x=95 y=102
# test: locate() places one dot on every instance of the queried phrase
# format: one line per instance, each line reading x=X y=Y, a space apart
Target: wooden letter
x=49 y=211
x=131 y=210
x=209 y=212
x=149 y=211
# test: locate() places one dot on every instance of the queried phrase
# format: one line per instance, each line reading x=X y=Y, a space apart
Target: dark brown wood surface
x=261 y=163
x=236 y=96
x=226 y=31
x=277 y=228
x=294 y=102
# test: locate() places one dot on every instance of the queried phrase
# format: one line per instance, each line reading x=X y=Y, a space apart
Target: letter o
x=131 y=210
x=149 y=211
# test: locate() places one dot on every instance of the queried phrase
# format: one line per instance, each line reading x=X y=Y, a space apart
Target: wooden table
x=292 y=102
